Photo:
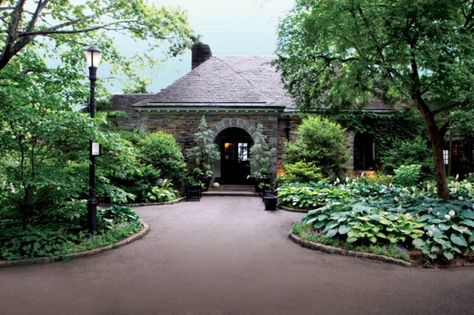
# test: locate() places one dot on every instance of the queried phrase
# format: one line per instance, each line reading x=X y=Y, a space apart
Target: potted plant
x=267 y=189
x=204 y=153
x=203 y=176
x=270 y=202
x=261 y=159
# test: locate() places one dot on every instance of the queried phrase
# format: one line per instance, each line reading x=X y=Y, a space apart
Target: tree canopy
x=43 y=87
x=341 y=54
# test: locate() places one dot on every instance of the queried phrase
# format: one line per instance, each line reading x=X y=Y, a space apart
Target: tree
x=66 y=23
x=261 y=155
x=44 y=135
x=205 y=152
x=336 y=54
x=320 y=142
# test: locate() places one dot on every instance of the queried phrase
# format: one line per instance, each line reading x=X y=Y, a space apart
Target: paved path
x=228 y=256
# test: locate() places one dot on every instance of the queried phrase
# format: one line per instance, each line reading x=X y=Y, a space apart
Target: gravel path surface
x=226 y=255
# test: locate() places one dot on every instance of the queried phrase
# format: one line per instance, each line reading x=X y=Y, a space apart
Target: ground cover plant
x=410 y=218
x=64 y=233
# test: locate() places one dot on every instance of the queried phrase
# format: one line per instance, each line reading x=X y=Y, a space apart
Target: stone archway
x=250 y=128
x=229 y=128
x=234 y=146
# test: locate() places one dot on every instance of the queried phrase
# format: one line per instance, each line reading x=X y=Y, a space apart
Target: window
x=446 y=157
x=229 y=151
x=243 y=152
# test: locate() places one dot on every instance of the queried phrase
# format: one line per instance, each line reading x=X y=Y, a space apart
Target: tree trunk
x=436 y=138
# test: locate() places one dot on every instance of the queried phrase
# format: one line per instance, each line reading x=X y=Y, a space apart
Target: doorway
x=234 y=145
x=364 y=152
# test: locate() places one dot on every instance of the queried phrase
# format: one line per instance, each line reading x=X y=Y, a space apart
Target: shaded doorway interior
x=364 y=152
x=234 y=145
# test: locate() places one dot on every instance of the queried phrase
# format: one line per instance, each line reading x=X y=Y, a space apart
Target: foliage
x=65 y=24
x=411 y=217
x=163 y=152
x=411 y=151
x=310 y=195
x=205 y=152
x=408 y=175
x=335 y=55
x=162 y=193
x=301 y=172
x=321 y=142
x=63 y=236
x=363 y=223
x=307 y=233
x=261 y=155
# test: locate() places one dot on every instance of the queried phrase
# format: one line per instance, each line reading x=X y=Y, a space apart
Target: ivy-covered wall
x=386 y=129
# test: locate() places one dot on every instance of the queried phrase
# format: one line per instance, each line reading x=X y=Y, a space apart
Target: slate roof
x=233 y=81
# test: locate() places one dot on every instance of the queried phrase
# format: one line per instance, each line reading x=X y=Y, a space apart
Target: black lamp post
x=93 y=56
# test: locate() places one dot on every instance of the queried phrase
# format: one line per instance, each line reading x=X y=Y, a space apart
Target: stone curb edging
x=144 y=204
x=344 y=252
x=282 y=207
x=95 y=251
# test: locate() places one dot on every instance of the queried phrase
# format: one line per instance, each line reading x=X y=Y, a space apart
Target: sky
x=229 y=27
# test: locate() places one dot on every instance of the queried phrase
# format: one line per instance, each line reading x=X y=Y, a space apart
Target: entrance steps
x=231 y=190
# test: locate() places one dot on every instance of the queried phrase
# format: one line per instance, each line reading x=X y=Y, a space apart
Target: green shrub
x=162 y=193
x=407 y=216
x=301 y=172
x=310 y=195
x=65 y=234
x=321 y=142
x=261 y=155
x=205 y=152
x=363 y=223
x=406 y=152
x=408 y=175
x=162 y=151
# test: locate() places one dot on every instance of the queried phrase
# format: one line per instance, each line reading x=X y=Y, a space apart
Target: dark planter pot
x=268 y=192
x=261 y=180
x=270 y=202
x=206 y=180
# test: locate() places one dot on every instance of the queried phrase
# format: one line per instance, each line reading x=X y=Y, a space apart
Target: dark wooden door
x=235 y=166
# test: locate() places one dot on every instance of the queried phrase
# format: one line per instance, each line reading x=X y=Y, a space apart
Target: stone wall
x=277 y=127
x=183 y=124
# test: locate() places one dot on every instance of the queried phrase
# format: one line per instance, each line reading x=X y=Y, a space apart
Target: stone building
x=234 y=94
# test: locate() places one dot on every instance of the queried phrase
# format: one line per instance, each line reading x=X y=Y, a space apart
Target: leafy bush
x=162 y=193
x=408 y=175
x=363 y=223
x=301 y=172
x=321 y=142
x=406 y=152
x=59 y=238
x=205 y=152
x=261 y=155
x=408 y=216
x=162 y=151
x=310 y=195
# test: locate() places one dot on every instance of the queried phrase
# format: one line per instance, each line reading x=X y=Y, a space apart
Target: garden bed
x=303 y=236
x=104 y=241
x=286 y=208
x=164 y=203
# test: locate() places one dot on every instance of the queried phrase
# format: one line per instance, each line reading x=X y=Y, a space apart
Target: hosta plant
x=360 y=222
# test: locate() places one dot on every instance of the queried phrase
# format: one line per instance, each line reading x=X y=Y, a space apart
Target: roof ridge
x=247 y=80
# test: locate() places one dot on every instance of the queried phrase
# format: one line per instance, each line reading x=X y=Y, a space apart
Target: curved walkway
x=228 y=256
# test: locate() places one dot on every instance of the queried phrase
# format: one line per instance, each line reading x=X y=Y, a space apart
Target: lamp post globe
x=93 y=58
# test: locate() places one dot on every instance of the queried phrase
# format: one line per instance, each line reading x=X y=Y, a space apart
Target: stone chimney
x=201 y=52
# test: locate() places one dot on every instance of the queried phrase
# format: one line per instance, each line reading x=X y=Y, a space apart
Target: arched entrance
x=234 y=145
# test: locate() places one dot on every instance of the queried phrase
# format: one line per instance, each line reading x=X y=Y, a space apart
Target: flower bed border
x=344 y=252
x=282 y=207
x=41 y=260
x=144 y=204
